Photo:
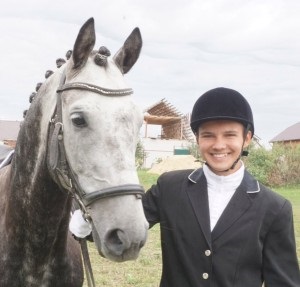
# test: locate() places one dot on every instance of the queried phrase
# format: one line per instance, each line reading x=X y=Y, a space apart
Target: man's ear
x=248 y=139
x=197 y=137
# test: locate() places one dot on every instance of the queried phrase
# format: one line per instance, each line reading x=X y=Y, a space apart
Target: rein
x=62 y=172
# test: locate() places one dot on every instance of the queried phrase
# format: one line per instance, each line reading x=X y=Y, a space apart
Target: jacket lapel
x=237 y=206
x=197 y=193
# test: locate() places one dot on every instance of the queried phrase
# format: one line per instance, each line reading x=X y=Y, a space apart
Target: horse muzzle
x=118 y=245
x=119 y=225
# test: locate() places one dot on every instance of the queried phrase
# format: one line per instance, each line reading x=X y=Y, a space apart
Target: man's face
x=220 y=144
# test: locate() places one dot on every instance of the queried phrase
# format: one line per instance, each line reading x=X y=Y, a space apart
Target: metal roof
x=291 y=133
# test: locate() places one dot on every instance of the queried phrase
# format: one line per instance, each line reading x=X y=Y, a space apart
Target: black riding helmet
x=222 y=104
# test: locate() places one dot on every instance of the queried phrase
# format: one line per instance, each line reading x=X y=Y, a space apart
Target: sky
x=189 y=47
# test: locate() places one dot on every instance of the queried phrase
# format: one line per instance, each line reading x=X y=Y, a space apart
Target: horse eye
x=78 y=120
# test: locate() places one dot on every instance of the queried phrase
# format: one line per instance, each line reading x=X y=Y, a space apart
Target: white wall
x=160 y=148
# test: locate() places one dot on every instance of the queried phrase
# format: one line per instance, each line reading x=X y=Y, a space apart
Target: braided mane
x=48 y=73
x=100 y=60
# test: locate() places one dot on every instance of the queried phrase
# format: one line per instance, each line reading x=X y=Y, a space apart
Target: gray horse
x=77 y=141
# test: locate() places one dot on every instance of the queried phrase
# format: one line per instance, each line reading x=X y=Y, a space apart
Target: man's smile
x=219 y=155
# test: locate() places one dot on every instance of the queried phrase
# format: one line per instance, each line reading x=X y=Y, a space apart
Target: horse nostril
x=117 y=242
x=113 y=237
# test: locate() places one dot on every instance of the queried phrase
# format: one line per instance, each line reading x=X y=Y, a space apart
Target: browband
x=95 y=89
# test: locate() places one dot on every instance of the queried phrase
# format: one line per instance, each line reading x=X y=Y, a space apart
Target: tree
x=139 y=154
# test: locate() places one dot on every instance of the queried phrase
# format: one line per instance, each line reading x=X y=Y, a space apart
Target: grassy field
x=293 y=194
x=146 y=270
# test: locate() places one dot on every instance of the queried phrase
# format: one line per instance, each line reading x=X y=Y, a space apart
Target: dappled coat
x=253 y=241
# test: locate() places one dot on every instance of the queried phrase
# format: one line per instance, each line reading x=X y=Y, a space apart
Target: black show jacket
x=253 y=241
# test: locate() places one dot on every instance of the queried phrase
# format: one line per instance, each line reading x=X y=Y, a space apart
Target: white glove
x=79 y=226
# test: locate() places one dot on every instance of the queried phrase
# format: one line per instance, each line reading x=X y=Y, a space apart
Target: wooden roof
x=162 y=113
x=160 y=120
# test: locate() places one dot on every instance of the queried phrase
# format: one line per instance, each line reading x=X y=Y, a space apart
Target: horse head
x=92 y=141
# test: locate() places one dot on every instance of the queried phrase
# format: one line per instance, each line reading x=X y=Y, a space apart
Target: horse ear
x=126 y=57
x=84 y=43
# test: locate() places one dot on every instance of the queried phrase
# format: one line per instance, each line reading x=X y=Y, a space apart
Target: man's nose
x=219 y=143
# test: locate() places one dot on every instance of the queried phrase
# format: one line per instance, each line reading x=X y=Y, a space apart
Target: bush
x=194 y=151
x=259 y=164
x=279 y=166
x=139 y=155
x=286 y=167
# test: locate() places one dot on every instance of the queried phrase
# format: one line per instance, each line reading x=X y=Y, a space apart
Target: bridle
x=57 y=160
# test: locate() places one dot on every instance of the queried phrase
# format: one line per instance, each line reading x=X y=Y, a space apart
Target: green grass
x=147 y=179
x=146 y=270
x=293 y=194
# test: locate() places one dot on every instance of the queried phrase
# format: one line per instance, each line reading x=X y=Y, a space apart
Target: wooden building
x=174 y=125
x=290 y=135
x=9 y=131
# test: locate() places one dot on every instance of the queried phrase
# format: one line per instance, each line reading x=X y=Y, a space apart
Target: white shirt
x=220 y=190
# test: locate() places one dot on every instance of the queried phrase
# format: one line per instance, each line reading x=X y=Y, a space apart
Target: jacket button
x=205 y=275
x=207 y=252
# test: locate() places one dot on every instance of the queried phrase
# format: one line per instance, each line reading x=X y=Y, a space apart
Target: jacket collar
x=251 y=185
x=238 y=205
x=196 y=175
x=197 y=193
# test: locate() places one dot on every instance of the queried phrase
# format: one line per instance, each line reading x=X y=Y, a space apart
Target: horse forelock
x=108 y=76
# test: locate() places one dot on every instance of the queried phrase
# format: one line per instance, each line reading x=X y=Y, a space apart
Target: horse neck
x=35 y=200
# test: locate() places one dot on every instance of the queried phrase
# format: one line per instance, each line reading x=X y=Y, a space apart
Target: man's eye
x=206 y=136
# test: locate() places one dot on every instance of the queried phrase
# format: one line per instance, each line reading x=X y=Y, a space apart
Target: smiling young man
x=219 y=226
x=220 y=144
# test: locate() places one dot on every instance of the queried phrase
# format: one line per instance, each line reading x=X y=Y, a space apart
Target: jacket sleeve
x=151 y=204
x=280 y=266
